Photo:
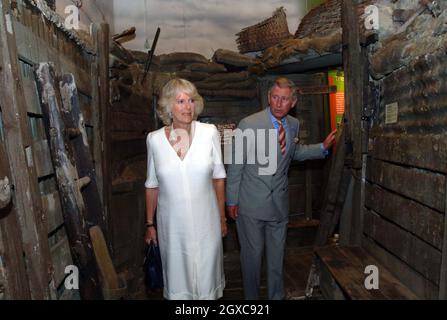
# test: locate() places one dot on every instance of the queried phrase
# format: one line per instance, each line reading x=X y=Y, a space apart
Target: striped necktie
x=282 y=138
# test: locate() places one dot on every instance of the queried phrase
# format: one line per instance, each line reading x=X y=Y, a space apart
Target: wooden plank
x=346 y=219
x=333 y=203
x=61 y=257
x=6 y=191
x=426 y=152
x=52 y=210
x=101 y=115
x=416 y=253
x=418 y=219
x=127 y=136
x=42 y=158
x=21 y=38
x=298 y=168
x=13 y=281
x=353 y=62
x=391 y=287
x=308 y=192
x=428 y=190
x=347 y=265
x=347 y=274
x=443 y=271
x=417 y=283
x=336 y=192
x=297 y=203
x=122 y=121
x=86 y=105
x=28 y=205
x=127 y=212
x=83 y=79
x=329 y=288
x=233 y=104
x=222 y=111
x=31 y=97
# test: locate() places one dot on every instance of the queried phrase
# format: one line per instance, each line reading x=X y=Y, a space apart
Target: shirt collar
x=275 y=121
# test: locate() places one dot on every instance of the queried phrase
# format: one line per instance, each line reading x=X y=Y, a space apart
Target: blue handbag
x=152 y=267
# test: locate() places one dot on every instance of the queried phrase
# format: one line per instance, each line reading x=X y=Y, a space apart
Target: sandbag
x=247 y=94
x=210 y=67
x=229 y=76
x=233 y=58
x=181 y=57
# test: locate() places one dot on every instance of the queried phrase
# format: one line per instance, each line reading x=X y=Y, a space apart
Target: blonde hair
x=283 y=82
x=168 y=94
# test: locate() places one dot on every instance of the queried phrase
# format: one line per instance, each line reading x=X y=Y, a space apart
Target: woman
x=185 y=183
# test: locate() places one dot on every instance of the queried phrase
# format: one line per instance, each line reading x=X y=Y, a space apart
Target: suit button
x=271 y=191
x=284 y=173
x=274 y=174
x=283 y=189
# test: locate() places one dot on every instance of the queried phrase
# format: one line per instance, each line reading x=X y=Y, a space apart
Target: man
x=259 y=201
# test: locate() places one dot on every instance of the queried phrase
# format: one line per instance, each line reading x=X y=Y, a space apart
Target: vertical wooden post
x=101 y=109
x=353 y=64
x=308 y=191
x=18 y=142
x=443 y=277
x=13 y=281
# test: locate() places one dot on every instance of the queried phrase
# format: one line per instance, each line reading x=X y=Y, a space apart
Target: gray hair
x=283 y=82
x=168 y=94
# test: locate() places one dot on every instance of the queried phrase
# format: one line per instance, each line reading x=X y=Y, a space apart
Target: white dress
x=188 y=218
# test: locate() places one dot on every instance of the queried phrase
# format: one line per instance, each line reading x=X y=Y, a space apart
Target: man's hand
x=232 y=211
x=330 y=140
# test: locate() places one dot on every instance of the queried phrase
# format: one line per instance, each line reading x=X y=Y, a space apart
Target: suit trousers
x=253 y=234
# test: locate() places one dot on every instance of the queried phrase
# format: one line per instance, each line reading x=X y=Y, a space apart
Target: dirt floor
x=298 y=259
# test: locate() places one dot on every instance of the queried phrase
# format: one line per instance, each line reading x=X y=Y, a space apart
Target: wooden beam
x=308 y=192
x=347 y=265
x=346 y=224
x=19 y=147
x=421 y=151
x=101 y=111
x=335 y=193
x=355 y=65
x=421 y=286
x=316 y=90
x=443 y=271
x=13 y=281
x=353 y=68
x=412 y=216
x=423 y=186
x=418 y=254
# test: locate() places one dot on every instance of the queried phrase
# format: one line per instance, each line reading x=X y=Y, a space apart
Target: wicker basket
x=264 y=34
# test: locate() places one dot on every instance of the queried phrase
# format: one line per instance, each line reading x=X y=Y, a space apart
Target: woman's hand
x=151 y=235
x=223 y=226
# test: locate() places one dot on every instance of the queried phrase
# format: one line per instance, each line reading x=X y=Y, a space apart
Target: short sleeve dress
x=188 y=218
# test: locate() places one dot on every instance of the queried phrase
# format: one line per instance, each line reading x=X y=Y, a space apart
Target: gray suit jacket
x=265 y=197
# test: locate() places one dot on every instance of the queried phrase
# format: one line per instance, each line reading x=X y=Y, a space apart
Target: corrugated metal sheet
x=407 y=162
x=421 y=93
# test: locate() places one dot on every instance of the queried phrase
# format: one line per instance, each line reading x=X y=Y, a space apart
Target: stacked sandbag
x=229 y=91
x=232 y=95
x=232 y=59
